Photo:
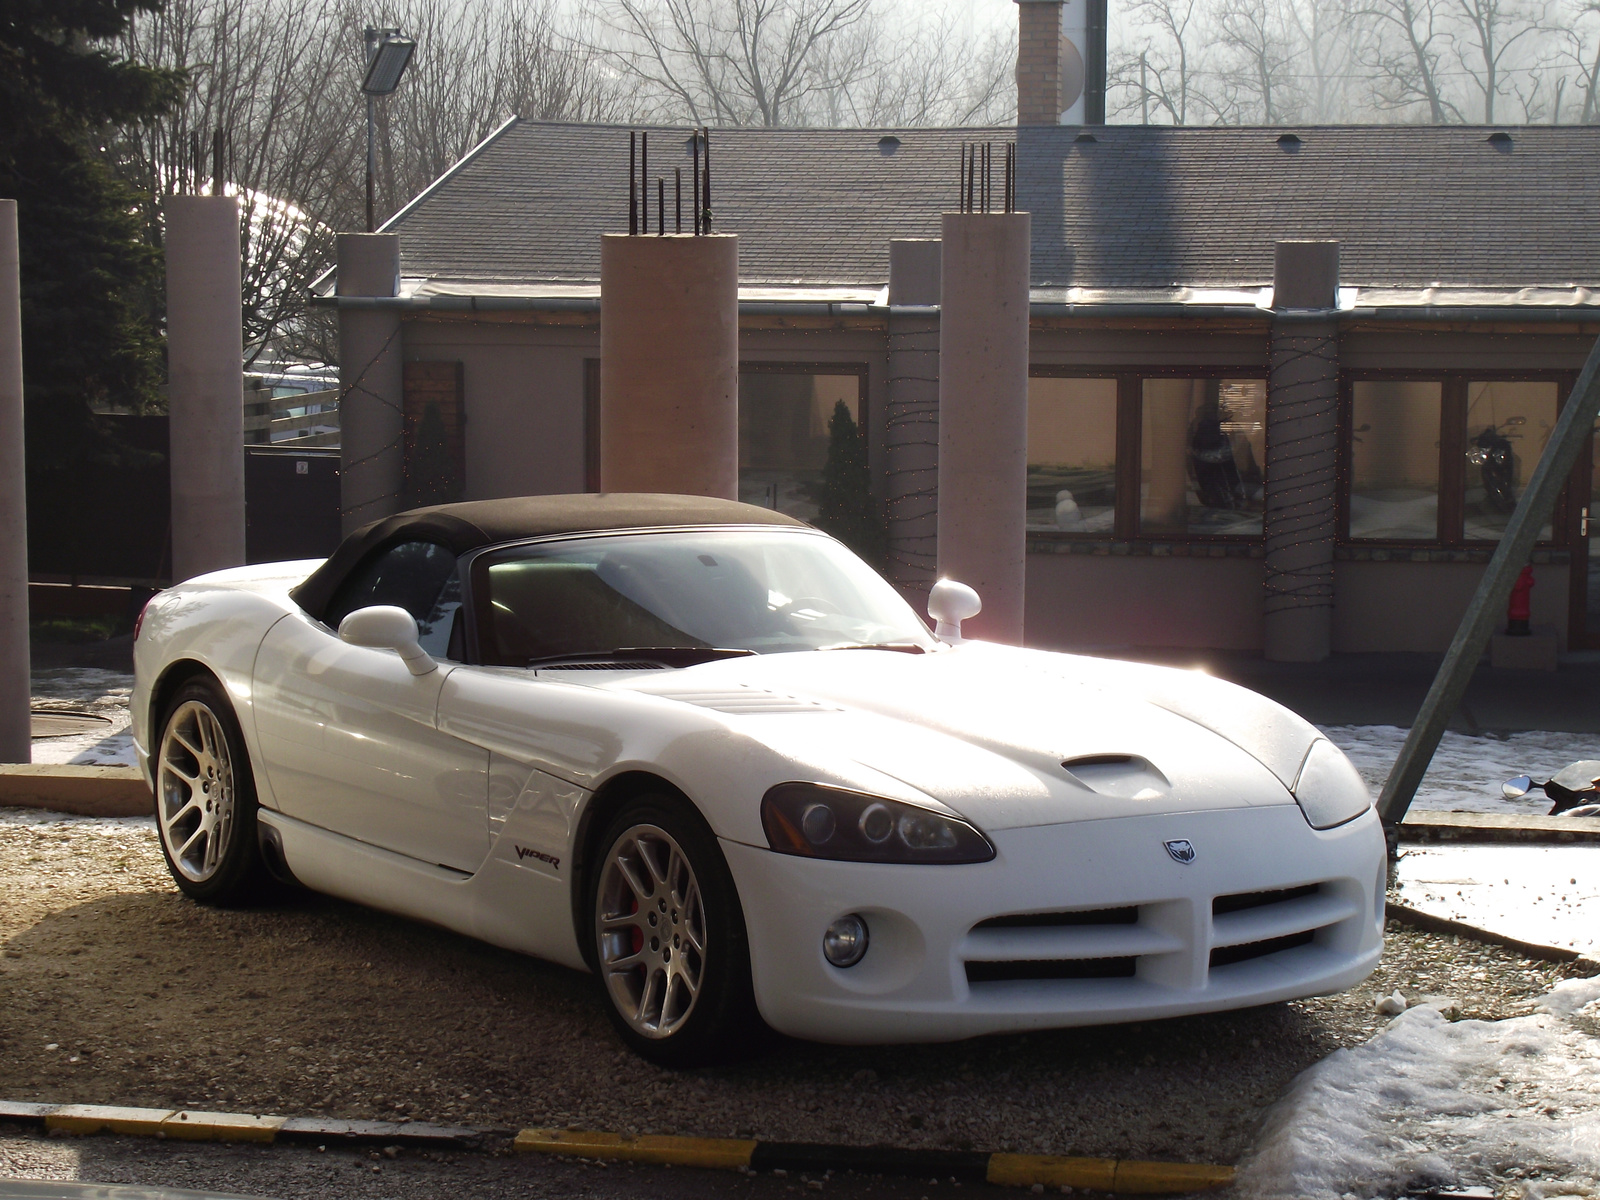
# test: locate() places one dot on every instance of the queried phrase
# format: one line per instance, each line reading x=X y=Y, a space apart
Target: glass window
x=765 y=592
x=1202 y=446
x=1508 y=425
x=783 y=436
x=416 y=576
x=1394 y=459
x=1072 y=454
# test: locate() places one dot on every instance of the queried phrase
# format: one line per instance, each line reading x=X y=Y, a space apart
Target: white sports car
x=705 y=752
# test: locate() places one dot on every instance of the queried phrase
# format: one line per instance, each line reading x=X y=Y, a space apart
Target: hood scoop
x=1124 y=776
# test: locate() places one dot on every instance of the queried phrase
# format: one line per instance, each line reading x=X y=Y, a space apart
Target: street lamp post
x=388 y=55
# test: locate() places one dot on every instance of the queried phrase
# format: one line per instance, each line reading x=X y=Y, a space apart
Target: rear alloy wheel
x=206 y=799
x=669 y=937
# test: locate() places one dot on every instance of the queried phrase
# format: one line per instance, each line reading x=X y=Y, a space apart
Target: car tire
x=668 y=937
x=205 y=799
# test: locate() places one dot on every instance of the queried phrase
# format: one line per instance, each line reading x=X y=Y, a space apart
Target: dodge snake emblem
x=1181 y=851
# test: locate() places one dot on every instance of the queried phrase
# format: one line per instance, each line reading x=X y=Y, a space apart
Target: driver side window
x=419 y=577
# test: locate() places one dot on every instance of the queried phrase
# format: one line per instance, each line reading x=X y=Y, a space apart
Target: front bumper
x=1158 y=944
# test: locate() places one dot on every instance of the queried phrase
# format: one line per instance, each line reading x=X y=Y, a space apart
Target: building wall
x=525 y=434
x=1091 y=601
x=1387 y=606
x=523 y=386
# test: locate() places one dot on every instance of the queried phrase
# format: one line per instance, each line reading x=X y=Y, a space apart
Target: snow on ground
x=1428 y=1102
x=1466 y=772
x=89 y=690
x=1546 y=895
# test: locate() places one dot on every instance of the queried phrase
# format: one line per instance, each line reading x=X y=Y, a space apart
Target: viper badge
x=1182 y=851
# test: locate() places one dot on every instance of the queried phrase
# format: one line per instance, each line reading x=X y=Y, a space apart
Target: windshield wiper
x=901 y=647
x=667 y=656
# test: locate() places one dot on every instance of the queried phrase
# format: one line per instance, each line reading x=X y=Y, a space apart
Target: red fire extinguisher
x=1521 y=606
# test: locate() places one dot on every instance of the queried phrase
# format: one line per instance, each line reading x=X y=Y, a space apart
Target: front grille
x=1247 y=900
x=1092 y=916
x=1080 y=968
x=1224 y=956
x=1109 y=943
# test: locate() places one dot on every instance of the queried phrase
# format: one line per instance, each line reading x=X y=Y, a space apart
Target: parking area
x=115 y=989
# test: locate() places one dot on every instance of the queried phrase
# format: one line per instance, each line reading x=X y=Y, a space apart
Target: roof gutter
x=790 y=308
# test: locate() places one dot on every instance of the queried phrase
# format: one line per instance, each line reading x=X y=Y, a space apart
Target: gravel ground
x=115 y=989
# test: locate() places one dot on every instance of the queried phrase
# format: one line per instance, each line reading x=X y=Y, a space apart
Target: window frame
x=1130 y=449
x=1450 y=530
x=858 y=369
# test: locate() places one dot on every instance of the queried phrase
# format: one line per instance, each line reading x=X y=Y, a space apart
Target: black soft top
x=477 y=523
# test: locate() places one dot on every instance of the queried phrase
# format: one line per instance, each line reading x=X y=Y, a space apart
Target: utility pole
x=1533 y=510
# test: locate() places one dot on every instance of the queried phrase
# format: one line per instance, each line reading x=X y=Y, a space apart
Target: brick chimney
x=1061 y=62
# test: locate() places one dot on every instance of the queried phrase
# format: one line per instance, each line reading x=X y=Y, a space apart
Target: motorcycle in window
x=1575 y=789
x=1492 y=454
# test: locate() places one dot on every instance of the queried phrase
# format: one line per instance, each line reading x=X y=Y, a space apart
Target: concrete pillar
x=983 y=414
x=15 y=683
x=1302 y=453
x=669 y=364
x=205 y=384
x=912 y=424
x=371 y=383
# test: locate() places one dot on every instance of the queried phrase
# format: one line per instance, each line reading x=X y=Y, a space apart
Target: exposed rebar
x=644 y=181
x=706 y=189
x=694 y=182
x=661 y=207
x=633 y=199
x=677 y=198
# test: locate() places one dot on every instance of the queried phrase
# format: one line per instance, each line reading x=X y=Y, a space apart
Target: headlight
x=824 y=822
x=1329 y=791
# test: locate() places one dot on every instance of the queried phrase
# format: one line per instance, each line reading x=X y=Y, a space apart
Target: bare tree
x=1489 y=33
x=732 y=62
x=1163 y=70
x=1261 y=40
x=1580 y=52
x=1405 y=58
x=933 y=74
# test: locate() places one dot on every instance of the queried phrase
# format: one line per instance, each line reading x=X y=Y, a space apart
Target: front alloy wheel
x=669 y=938
x=651 y=925
x=205 y=799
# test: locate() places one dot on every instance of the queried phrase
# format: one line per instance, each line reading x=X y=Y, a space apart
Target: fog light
x=845 y=943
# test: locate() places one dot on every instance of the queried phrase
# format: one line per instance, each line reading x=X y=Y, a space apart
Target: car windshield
x=758 y=591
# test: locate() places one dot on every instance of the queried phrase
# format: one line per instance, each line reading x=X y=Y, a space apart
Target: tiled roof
x=1138 y=207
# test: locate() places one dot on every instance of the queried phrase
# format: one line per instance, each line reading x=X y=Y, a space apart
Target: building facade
x=1202 y=410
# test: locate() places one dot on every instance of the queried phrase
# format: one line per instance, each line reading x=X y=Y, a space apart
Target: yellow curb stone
x=192 y=1126
x=104 y=1118
x=718 y=1153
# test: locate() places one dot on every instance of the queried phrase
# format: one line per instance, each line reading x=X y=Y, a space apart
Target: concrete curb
x=1496 y=828
x=80 y=791
x=1118 y=1176
x=1122 y=1177
x=190 y=1125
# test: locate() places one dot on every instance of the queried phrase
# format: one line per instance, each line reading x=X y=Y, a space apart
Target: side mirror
x=386 y=627
x=949 y=604
x=1515 y=789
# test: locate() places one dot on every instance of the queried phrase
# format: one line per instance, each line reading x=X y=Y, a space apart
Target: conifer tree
x=91 y=281
x=847 y=508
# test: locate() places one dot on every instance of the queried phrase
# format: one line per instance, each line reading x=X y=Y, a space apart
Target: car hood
x=1004 y=736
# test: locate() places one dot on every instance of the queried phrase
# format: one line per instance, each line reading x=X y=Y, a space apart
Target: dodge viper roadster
x=703 y=751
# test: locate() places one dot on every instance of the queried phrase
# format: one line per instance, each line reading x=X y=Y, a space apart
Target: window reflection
x=1508 y=425
x=1072 y=455
x=1202 y=445
x=783 y=436
x=1394 y=459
